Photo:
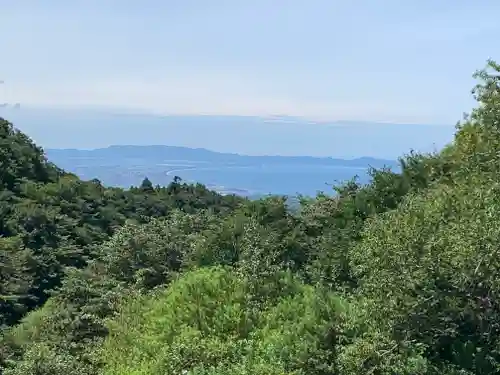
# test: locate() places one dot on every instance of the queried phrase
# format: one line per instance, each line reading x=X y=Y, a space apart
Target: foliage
x=204 y=324
x=398 y=276
x=15 y=281
x=59 y=218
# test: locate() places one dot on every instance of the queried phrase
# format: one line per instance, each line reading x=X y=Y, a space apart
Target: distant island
x=227 y=173
x=249 y=135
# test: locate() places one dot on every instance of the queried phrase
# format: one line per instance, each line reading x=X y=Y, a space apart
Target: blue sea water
x=276 y=179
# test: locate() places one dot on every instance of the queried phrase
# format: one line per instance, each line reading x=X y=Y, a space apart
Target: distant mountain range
x=226 y=172
x=159 y=153
x=274 y=135
x=82 y=141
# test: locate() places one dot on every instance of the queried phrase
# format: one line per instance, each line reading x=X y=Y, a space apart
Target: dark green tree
x=146 y=185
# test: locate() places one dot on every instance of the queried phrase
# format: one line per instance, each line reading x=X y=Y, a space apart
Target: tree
x=205 y=323
x=146 y=185
x=15 y=279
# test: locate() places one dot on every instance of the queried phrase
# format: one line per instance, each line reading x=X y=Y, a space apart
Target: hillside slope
x=56 y=218
x=399 y=276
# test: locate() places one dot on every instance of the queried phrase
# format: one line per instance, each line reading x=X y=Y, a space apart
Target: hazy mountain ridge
x=167 y=153
x=224 y=172
x=250 y=135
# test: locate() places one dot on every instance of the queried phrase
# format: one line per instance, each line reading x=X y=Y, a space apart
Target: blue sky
x=386 y=60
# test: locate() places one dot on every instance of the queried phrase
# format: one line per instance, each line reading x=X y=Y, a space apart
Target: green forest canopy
x=399 y=276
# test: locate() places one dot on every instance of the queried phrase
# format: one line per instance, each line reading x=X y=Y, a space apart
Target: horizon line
x=270 y=118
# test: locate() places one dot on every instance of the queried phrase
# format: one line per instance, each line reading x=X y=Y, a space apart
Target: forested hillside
x=399 y=276
x=51 y=220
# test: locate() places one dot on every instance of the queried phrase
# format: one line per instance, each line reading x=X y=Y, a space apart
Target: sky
x=388 y=60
